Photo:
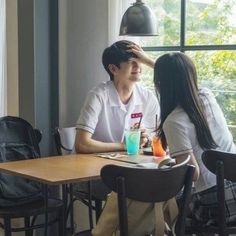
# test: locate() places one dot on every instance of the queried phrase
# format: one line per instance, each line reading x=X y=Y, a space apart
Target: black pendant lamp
x=138 y=20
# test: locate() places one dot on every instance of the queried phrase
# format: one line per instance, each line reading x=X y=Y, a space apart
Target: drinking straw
x=139 y=123
x=156 y=122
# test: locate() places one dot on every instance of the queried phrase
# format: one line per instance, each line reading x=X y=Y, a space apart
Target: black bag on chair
x=18 y=141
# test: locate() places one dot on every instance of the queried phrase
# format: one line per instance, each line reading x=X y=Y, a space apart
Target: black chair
x=19 y=197
x=148 y=185
x=223 y=165
x=64 y=139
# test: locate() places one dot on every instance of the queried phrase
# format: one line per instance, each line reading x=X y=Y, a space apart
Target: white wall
x=83 y=35
x=12 y=58
x=83 y=28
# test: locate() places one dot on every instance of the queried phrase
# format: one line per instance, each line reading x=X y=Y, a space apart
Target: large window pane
x=217 y=71
x=147 y=72
x=207 y=22
x=210 y=22
x=168 y=21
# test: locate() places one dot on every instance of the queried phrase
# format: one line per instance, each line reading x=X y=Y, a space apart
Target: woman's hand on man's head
x=142 y=57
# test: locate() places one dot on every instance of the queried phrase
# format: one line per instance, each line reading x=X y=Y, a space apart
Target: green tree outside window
x=209 y=38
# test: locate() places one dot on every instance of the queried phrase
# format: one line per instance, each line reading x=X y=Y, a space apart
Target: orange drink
x=157 y=148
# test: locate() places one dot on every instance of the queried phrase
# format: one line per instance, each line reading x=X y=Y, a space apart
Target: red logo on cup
x=136 y=115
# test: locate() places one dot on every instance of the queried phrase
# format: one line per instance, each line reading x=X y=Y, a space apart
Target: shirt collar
x=114 y=98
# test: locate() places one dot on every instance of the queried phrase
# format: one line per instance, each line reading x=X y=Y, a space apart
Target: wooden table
x=64 y=169
x=60 y=170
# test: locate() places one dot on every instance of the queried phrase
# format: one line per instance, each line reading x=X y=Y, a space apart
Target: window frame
x=183 y=47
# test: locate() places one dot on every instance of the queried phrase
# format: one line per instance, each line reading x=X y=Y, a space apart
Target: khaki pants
x=143 y=218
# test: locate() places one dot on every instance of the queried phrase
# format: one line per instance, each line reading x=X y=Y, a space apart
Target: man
x=114 y=106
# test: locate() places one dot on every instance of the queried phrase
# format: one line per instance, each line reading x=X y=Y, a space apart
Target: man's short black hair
x=115 y=54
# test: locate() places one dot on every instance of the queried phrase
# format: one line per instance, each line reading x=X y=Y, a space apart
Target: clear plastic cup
x=157 y=148
x=132 y=141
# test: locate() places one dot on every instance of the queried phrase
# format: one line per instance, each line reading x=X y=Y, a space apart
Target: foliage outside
x=209 y=23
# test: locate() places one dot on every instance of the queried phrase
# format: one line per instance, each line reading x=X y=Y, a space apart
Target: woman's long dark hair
x=175 y=78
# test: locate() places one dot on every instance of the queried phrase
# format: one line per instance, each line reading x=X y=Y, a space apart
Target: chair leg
x=98 y=206
x=61 y=225
x=7 y=226
x=90 y=213
x=27 y=225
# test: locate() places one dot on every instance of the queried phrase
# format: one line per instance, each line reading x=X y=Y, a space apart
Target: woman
x=192 y=121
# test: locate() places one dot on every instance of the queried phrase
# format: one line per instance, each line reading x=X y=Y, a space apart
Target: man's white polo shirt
x=107 y=118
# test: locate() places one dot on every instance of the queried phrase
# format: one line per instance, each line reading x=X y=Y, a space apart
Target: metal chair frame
x=148 y=185
x=223 y=165
x=85 y=197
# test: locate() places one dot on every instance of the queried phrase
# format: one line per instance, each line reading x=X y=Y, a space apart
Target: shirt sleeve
x=177 y=138
x=89 y=114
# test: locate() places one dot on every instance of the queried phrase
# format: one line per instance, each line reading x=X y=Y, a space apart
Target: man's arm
x=85 y=144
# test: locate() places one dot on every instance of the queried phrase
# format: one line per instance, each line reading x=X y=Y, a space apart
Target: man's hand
x=144 y=139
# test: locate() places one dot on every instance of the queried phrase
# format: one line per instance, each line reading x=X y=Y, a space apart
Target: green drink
x=132 y=140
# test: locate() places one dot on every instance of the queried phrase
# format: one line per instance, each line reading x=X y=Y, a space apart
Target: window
x=205 y=30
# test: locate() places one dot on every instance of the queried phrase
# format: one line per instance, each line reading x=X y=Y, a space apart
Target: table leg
x=71 y=209
x=65 y=201
x=90 y=210
x=45 y=193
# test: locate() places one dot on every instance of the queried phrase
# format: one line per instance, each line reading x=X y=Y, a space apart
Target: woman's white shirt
x=181 y=135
